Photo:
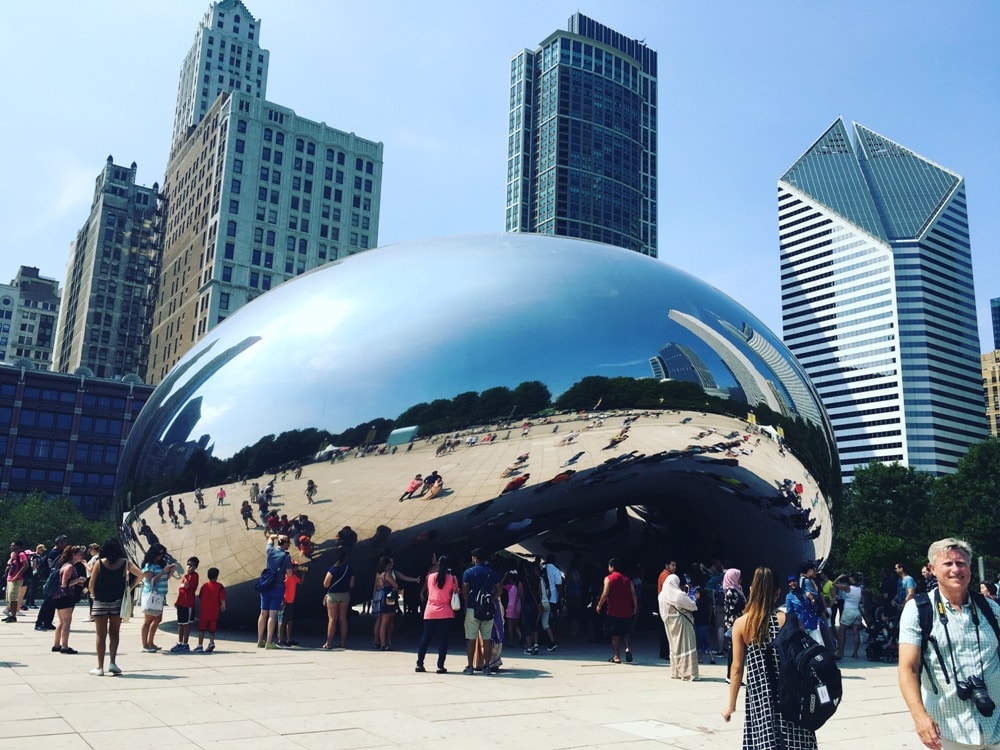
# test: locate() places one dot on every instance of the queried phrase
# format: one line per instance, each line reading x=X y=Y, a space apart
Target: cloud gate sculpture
x=573 y=397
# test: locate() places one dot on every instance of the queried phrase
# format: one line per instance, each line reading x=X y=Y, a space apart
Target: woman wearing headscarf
x=734 y=602
x=677 y=612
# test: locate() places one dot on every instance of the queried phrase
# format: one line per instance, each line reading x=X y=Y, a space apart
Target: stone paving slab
x=241 y=697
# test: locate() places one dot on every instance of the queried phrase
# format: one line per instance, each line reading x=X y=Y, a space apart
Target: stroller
x=883 y=636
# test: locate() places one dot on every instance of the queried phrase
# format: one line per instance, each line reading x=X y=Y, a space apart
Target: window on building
x=223 y=300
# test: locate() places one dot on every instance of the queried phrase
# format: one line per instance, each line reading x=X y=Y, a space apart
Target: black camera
x=974 y=689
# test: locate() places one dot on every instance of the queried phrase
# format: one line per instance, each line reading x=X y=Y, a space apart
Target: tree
x=38 y=519
x=965 y=505
x=885 y=509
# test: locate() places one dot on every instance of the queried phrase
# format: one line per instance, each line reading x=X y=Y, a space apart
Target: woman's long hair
x=443 y=572
x=153 y=554
x=383 y=563
x=760 y=605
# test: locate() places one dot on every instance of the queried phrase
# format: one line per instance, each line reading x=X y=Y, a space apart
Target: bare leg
x=114 y=635
x=101 y=629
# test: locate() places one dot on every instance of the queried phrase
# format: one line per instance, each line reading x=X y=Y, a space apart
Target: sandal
x=326 y=646
x=614 y=660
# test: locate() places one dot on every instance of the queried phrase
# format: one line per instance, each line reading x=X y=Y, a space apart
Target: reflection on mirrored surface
x=573 y=397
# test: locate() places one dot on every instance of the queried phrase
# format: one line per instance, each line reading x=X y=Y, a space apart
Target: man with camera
x=950 y=677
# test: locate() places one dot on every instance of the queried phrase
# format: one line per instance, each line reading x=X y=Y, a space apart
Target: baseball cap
x=62 y=538
x=792 y=578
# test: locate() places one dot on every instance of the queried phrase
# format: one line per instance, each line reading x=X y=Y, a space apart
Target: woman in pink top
x=438 y=614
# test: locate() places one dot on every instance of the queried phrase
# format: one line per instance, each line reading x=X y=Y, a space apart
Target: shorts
x=185 y=615
x=617 y=626
x=64 y=602
x=546 y=612
x=13 y=590
x=103 y=609
x=338 y=596
x=474 y=627
x=273 y=599
x=850 y=617
x=287 y=612
x=207 y=624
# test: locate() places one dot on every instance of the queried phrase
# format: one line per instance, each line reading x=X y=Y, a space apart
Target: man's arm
x=911 y=589
x=909 y=686
x=604 y=596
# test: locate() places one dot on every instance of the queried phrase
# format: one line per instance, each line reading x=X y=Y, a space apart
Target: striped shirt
x=958 y=720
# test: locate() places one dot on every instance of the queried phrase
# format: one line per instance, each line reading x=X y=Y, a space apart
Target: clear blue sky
x=745 y=87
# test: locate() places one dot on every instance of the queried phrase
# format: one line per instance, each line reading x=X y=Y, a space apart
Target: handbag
x=456 y=601
x=152 y=603
x=125 y=612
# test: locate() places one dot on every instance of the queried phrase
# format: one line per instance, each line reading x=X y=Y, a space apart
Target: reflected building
x=878 y=302
x=527 y=337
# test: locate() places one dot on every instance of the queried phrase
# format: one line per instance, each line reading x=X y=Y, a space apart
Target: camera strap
x=943 y=617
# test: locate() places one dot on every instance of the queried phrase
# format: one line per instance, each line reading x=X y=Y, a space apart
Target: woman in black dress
x=763 y=728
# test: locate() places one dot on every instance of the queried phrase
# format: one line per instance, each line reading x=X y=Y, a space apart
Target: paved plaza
x=244 y=697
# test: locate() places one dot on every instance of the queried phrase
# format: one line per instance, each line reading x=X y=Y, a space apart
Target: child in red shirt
x=213 y=601
x=185 y=605
x=286 y=616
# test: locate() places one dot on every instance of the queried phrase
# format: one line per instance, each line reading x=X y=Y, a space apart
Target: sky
x=744 y=89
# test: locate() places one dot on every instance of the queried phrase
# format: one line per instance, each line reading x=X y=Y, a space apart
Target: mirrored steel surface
x=539 y=357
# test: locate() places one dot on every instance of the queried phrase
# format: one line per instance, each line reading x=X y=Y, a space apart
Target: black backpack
x=482 y=604
x=808 y=684
x=925 y=616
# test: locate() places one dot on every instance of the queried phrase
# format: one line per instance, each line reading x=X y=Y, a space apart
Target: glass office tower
x=581 y=150
x=878 y=302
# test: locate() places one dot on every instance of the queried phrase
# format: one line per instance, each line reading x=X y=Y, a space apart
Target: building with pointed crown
x=878 y=302
x=226 y=56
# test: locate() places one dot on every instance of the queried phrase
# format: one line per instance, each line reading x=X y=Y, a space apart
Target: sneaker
x=10 y=618
x=178 y=649
x=97 y=672
x=272 y=646
x=260 y=644
x=553 y=647
x=198 y=649
x=487 y=671
x=419 y=668
x=528 y=651
x=441 y=670
x=468 y=670
x=210 y=647
x=113 y=668
x=149 y=650
x=534 y=649
x=68 y=650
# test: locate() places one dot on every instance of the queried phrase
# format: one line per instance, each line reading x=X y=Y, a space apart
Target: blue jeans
x=434 y=630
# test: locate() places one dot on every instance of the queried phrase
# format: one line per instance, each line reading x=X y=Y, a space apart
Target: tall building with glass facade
x=581 y=147
x=995 y=314
x=878 y=302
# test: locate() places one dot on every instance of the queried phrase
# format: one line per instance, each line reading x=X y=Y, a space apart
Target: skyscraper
x=225 y=56
x=111 y=278
x=878 y=302
x=995 y=314
x=581 y=147
x=255 y=193
x=29 y=307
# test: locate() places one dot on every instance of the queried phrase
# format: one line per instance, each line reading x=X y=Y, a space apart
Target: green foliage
x=38 y=519
x=596 y=392
x=470 y=408
x=891 y=512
